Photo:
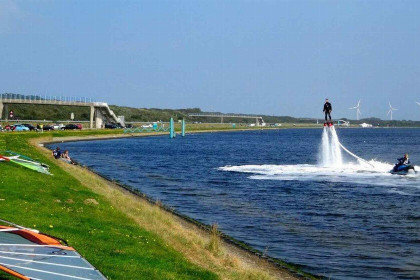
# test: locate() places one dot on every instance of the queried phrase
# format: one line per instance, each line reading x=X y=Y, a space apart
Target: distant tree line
x=55 y=113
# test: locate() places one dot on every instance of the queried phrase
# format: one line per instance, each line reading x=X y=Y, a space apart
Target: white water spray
x=331 y=168
x=330 y=152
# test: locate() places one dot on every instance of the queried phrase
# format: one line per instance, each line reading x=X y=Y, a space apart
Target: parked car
x=79 y=126
x=8 y=127
x=45 y=127
x=111 y=125
x=58 y=126
x=71 y=126
x=147 y=125
x=31 y=127
x=19 y=127
x=129 y=125
x=48 y=127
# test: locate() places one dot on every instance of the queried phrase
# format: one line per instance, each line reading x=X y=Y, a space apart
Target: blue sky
x=263 y=57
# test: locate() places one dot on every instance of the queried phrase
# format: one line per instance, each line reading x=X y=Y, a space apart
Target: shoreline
x=249 y=256
x=146 y=134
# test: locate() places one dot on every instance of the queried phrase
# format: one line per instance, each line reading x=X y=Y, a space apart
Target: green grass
x=105 y=236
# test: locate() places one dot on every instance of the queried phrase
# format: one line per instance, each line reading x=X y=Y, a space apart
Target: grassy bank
x=61 y=206
x=124 y=236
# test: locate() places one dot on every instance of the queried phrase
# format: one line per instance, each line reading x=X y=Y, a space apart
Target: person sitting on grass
x=65 y=156
x=56 y=153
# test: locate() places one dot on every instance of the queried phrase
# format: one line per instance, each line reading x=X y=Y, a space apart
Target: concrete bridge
x=99 y=111
x=258 y=120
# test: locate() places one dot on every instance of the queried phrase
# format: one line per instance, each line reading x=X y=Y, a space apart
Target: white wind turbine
x=357 y=108
x=390 y=110
x=418 y=103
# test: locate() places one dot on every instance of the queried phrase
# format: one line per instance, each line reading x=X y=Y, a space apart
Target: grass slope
x=61 y=206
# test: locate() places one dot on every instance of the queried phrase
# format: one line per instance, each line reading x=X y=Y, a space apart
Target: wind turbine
x=357 y=108
x=390 y=110
x=418 y=103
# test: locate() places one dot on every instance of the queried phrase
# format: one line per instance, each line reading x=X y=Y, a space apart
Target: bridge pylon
x=1 y=110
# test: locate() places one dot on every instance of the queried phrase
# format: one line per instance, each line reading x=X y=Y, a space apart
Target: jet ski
x=403 y=169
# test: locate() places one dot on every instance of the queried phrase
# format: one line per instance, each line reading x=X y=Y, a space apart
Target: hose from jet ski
x=355 y=156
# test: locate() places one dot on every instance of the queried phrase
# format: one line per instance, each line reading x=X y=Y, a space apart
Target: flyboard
x=328 y=124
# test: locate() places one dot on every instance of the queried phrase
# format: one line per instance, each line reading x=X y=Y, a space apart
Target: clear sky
x=263 y=57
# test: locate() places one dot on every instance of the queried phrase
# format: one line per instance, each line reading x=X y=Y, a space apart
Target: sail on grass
x=24 y=161
x=27 y=254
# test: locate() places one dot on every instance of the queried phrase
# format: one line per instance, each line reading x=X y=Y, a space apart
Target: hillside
x=62 y=113
x=55 y=113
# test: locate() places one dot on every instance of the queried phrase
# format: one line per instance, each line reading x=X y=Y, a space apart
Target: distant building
x=366 y=125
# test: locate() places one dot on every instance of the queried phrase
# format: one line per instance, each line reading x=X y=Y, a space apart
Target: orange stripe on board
x=38 y=238
x=14 y=273
x=5 y=158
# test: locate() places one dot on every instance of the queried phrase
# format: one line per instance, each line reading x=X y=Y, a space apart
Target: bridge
x=99 y=111
x=258 y=120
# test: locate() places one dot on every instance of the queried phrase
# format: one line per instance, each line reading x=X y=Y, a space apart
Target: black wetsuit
x=57 y=154
x=327 y=110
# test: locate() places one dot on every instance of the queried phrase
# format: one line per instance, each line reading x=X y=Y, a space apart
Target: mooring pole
x=172 y=129
x=183 y=127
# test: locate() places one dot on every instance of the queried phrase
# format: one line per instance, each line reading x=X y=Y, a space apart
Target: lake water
x=266 y=188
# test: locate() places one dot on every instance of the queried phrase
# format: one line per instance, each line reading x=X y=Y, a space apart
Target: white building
x=366 y=125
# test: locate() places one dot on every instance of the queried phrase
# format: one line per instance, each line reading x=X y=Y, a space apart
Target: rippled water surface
x=265 y=188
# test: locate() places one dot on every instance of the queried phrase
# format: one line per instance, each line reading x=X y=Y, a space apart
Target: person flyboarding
x=327 y=110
